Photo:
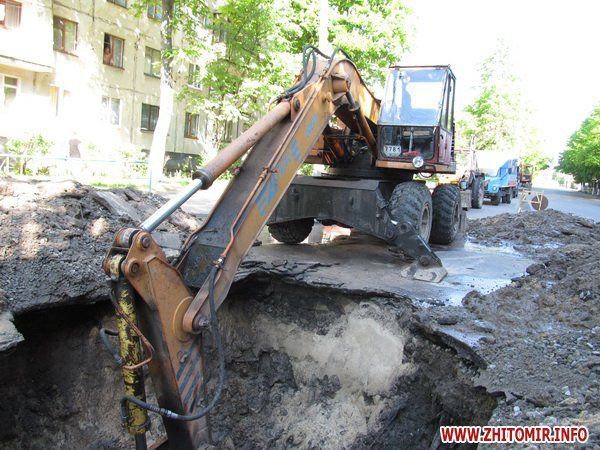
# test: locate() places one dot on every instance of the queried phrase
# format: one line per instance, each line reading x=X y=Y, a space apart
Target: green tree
x=262 y=41
x=582 y=155
x=374 y=33
x=536 y=160
x=498 y=118
x=183 y=17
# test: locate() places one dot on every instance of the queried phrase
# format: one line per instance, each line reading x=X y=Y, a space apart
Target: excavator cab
x=416 y=122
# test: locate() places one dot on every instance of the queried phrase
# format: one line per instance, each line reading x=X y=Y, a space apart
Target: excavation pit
x=306 y=367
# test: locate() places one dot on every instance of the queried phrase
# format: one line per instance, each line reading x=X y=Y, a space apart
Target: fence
x=84 y=170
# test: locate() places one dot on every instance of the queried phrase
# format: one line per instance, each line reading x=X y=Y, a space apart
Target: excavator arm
x=165 y=309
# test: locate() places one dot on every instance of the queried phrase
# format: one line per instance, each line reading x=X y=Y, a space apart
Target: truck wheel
x=446 y=214
x=292 y=232
x=411 y=202
x=496 y=200
x=477 y=193
x=515 y=192
x=507 y=197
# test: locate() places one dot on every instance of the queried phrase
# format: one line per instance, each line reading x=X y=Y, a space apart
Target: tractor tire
x=496 y=199
x=411 y=202
x=292 y=232
x=507 y=197
x=446 y=214
x=477 y=193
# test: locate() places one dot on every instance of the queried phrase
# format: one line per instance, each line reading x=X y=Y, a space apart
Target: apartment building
x=88 y=69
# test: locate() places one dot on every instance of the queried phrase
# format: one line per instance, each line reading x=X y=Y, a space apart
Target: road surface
x=562 y=200
x=573 y=202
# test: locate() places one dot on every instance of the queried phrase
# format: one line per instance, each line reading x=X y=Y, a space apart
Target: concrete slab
x=362 y=263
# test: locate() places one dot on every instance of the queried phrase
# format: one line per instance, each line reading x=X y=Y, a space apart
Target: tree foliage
x=373 y=32
x=248 y=51
x=582 y=156
x=263 y=40
x=498 y=118
x=536 y=160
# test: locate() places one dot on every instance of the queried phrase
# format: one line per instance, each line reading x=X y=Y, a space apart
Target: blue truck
x=501 y=176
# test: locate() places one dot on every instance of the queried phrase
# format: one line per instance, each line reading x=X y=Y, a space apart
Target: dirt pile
x=539 y=337
x=53 y=237
x=534 y=233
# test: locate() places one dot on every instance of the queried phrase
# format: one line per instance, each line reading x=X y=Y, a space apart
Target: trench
x=306 y=368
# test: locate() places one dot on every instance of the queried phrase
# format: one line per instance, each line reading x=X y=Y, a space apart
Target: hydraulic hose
x=104 y=333
x=310 y=53
x=214 y=326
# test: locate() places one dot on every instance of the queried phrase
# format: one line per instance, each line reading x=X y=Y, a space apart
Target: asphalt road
x=566 y=201
x=573 y=202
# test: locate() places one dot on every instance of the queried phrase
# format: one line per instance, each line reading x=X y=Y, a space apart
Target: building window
x=10 y=89
x=152 y=65
x=149 y=117
x=219 y=32
x=113 y=51
x=191 y=125
x=122 y=3
x=65 y=35
x=111 y=108
x=10 y=13
x=155 y=12
x=194 y=76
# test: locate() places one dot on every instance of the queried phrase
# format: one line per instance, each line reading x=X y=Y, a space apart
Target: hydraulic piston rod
x=204 y=177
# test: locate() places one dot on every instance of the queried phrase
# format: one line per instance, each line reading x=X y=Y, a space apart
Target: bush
x=35 y=145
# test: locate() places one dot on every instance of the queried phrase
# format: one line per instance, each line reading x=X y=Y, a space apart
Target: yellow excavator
x=329 y=116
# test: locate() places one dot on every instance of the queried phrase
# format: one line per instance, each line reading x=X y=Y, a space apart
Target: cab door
x=447 y=123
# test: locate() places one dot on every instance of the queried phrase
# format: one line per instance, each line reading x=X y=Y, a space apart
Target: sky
x=555 y=47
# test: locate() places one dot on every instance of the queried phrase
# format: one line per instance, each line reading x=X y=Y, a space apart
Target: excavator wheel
x=292 y=232
x=477 y=193
x=446 y=214
x=411 y=202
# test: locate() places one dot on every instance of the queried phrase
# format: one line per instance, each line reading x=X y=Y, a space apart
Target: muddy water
x=306 y=367
x=315 y=368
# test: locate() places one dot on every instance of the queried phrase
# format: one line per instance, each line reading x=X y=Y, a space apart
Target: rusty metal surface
x=226 y=157
x=236 y=220
x=177 y=365
x=539 y=202
x=436 y=168
x=130 y=351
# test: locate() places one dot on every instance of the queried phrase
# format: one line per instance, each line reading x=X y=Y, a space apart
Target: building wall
x=60 y=94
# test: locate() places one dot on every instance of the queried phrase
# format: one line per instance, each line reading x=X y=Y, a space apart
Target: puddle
x=506 y=249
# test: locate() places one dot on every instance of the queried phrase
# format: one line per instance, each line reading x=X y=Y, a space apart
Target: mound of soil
x=53 y=237
x=534 y=233
x=539 y=337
